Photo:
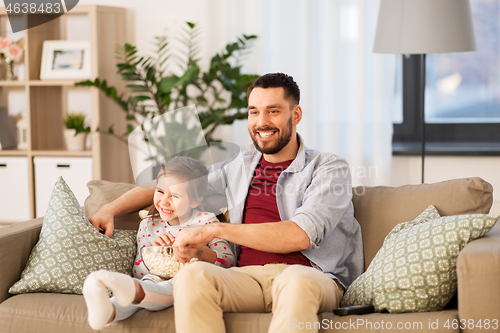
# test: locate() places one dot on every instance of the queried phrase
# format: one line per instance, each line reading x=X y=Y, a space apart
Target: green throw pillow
x=415 y=270
x=70 y=248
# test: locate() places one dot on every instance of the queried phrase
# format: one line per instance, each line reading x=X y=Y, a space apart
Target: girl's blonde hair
x=187 y=169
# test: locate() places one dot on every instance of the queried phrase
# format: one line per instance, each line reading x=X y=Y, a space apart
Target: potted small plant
x=76 y=132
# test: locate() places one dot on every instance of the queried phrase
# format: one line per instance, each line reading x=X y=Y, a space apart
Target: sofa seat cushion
x=68 y=313
x=49 y=312
x=436 y=321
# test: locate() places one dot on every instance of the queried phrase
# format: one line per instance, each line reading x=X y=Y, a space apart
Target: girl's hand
x=164 y=240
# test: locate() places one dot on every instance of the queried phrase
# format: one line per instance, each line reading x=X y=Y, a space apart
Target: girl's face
x=172 y=201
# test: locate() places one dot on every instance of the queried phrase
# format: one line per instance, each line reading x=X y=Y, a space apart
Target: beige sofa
x=378 y=210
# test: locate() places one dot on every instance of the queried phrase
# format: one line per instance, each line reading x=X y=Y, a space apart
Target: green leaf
x=168 y=83
x=249 y=37
x=140 y=98
x=130 y=128
x=137 y=88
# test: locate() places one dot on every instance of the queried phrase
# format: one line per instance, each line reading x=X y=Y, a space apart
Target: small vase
x=8 y=69
x=75 y=142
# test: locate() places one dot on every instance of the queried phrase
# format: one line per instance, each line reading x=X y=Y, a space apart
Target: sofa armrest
x=16 y=242
x=478 y=275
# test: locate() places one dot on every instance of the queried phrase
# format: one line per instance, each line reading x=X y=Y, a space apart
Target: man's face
x=269 y=119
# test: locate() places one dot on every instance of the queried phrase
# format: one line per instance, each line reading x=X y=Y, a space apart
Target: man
x=298 y=244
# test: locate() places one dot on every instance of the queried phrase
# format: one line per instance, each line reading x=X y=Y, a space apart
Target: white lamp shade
x=424 y=26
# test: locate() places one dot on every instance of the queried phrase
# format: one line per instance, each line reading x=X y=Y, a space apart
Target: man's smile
x=266 y=134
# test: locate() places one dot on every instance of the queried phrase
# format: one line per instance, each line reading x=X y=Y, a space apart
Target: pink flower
x=4 y=44
x=14 y=52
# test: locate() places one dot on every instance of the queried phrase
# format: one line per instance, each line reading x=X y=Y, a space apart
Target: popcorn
x=161 y=262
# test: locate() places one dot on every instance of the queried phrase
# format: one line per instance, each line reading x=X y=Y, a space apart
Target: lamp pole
x=422 y=109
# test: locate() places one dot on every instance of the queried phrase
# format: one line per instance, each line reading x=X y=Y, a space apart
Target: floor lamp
x=422 y=27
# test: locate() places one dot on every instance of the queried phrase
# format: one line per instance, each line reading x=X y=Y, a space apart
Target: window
x=462 y=95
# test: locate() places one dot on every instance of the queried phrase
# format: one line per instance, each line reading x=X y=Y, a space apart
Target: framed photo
x=65 y=59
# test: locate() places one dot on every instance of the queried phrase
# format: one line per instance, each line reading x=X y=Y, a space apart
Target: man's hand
x=194 y=237
x=103 y=219
x=186 y=254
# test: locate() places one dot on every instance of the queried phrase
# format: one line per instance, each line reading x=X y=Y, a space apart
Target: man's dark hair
x=276 y=80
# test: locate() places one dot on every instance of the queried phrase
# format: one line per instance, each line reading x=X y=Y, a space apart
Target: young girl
x=181 y=185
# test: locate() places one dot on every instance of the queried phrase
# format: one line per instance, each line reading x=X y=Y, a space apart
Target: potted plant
x=218 y=92
x=76 y=132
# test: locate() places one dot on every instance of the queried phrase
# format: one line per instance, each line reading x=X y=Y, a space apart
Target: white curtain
x=346 y=90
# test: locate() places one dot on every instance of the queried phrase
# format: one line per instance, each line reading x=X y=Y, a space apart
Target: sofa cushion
x=43 y=312
x=378 y=209
x=70 y=248
x=415 y=270
x=102 y=192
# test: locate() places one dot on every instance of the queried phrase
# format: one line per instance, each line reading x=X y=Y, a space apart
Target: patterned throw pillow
x=415 y=269
x=70 y=248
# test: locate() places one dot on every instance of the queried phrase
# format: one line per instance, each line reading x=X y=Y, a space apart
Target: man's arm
x=325 y=201
x=130 y=201
x=277 y=237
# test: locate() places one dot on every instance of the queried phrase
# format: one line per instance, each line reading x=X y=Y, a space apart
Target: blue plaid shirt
x=315 y=192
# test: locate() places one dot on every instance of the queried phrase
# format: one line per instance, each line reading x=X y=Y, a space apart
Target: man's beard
x=283 y=139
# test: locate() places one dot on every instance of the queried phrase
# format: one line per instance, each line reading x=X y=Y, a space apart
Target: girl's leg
x=102 y=310
x=122 y=312
x=158 y=296
x=130 y=295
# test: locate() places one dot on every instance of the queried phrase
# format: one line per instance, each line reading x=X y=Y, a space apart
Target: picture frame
x=64 y=59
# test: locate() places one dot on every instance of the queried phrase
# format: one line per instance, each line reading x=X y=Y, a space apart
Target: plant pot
x=75 y=142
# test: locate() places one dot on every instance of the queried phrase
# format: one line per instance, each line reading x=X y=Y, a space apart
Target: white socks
x=96 y=297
